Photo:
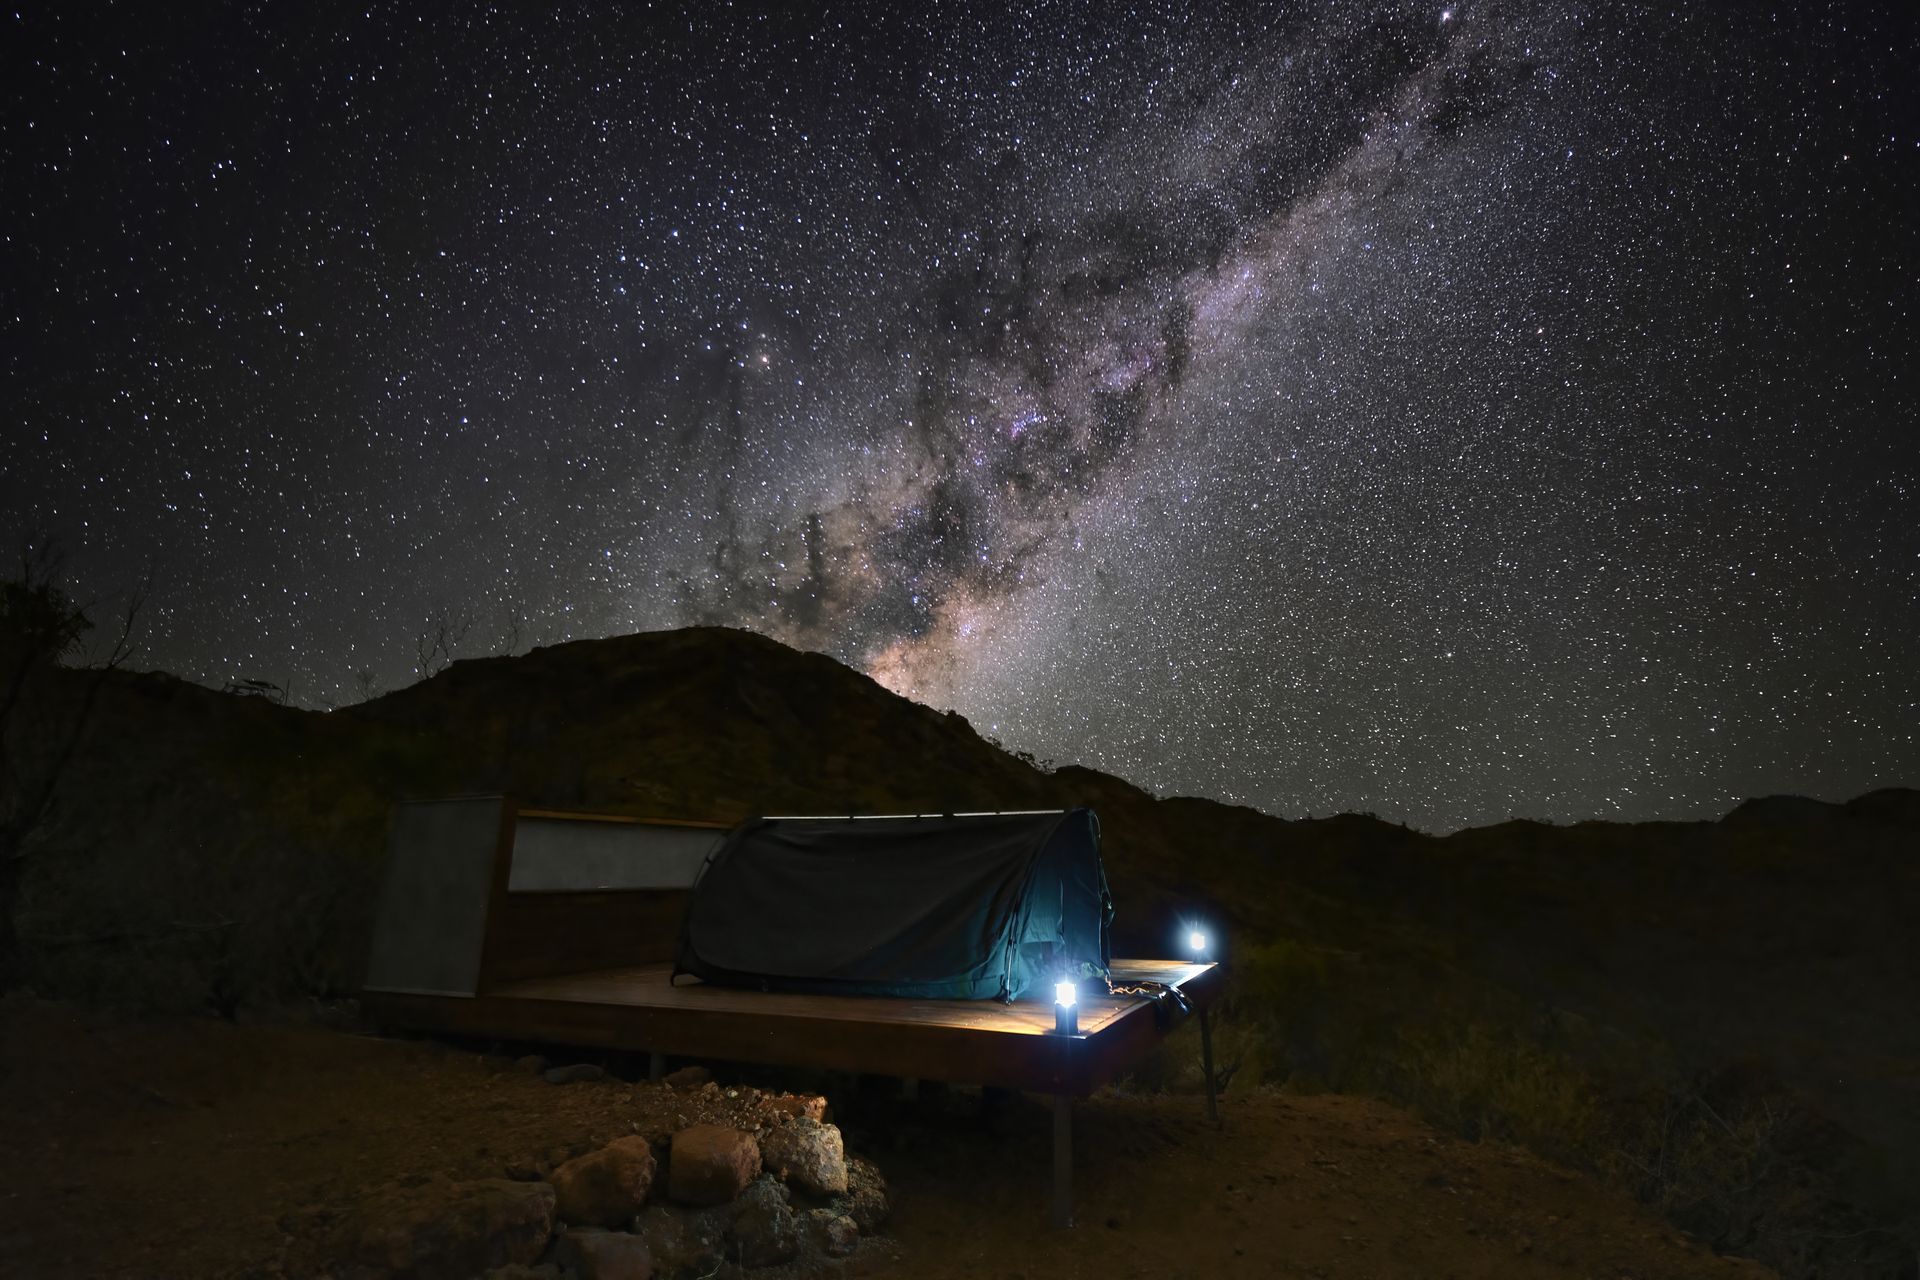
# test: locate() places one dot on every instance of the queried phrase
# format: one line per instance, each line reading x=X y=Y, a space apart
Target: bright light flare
x=1065 y=994
x=1196 y=942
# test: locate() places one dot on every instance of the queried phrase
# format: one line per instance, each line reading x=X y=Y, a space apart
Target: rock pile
x=761 y=1181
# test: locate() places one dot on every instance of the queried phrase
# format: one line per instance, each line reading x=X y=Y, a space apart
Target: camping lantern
x=1066 y=1010
x=1197 y=943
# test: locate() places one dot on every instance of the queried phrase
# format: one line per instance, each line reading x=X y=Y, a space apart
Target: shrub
x=1483 y=1081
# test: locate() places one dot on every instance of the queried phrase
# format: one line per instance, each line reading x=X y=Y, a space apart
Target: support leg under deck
x=1206 y=1064
x=656 y=1066
x=1062 y=1161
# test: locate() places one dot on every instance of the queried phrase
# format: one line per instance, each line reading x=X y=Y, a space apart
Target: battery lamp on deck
x=1066 y=1008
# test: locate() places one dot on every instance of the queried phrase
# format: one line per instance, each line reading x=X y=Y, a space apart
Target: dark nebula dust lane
x=1454 y=412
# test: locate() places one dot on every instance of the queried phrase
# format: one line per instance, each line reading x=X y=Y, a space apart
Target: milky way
x=1453 y=412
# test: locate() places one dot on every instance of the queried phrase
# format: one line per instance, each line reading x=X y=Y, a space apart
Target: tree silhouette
x=44 y=711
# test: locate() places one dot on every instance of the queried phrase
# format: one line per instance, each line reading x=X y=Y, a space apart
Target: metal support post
x=1062 y=1161
x=656 y=1065
x=1206 y=1064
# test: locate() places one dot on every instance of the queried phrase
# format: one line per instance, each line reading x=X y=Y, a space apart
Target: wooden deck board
x=968 y=1041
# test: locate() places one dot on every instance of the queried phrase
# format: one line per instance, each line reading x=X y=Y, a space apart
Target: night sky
x=1452 y=413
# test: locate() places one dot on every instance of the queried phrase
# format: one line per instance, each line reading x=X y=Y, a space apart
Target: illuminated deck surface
x=971 y=1041
x=648 y=985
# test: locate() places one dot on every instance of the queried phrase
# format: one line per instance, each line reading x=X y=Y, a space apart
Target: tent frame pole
x=1062 y=1161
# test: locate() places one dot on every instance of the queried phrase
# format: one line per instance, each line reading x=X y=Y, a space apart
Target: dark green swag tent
x=971 y=907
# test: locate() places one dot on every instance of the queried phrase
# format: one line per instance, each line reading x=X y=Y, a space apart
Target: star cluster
x=1451 y=412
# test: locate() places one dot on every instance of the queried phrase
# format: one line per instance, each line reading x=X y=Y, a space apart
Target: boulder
x=764 y=1233
x=607 y=1187
x=831 y=1232
x=866 y=1198
x=687 y=1077
x=603 y=1255
x=682 y=1242
x=808 y=1154
x=711 y=1164
x=438 y=1229
x=812 y=1106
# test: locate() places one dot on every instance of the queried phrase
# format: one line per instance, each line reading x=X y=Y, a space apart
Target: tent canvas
x=974 y=906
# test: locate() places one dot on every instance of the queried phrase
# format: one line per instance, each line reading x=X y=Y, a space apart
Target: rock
x=812 y=1106
x=687 y=1077
x=574 y=1074
x=808 y=1154
x=533 y=1064
x=764 y=1233
x=438 y=1230
x=832 y=1233
x=528 y=1169
x=711 y=1164
x=866 y=1198
x=682 y=1242
x=607 y=1187
x=603 y=1255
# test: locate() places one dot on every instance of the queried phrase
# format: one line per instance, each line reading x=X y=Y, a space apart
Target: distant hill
x=1717 y=1015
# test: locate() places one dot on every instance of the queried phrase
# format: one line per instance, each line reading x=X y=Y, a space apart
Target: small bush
x=1485 y=1082
x=213 y=927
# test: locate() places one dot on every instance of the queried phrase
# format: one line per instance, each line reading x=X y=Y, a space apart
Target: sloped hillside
x=1714 y=1016
x=144 y=1148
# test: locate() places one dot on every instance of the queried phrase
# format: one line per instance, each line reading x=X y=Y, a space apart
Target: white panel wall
x=432 y=916
x=551 y=854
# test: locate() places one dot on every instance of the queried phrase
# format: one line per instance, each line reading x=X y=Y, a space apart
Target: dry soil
x=180 y=1147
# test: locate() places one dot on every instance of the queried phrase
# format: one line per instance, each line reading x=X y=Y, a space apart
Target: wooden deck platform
x=964 y=1041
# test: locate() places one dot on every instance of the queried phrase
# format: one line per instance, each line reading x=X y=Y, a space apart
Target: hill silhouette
x=1714 y=1016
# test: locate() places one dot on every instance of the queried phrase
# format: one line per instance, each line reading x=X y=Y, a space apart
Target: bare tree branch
x=436 y=647
x=39 y=626
x=514 y=629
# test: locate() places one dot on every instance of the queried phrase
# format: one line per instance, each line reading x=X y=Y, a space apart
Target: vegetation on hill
x=1714 y=1016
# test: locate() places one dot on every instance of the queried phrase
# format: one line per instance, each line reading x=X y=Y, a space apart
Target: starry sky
x=1453 y=412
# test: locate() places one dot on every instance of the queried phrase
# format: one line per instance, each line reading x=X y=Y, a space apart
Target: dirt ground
x=178 y=1148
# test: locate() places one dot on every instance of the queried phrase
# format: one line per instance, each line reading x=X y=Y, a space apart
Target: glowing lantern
x=1066 y=1008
